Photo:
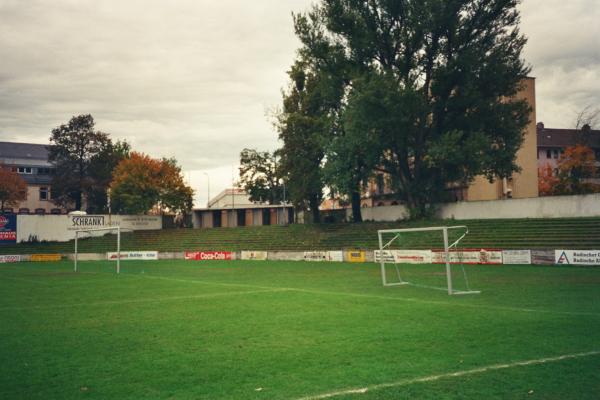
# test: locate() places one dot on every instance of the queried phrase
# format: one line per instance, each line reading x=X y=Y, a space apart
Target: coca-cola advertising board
x=208 y=255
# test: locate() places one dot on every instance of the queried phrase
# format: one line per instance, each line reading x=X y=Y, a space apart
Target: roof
x=560 y=138
x=28 y=151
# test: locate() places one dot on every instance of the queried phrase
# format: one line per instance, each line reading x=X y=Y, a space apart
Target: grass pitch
x=294 y=330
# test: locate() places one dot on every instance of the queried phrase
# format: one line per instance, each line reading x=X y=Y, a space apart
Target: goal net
x=429 y=257
x=111 y=236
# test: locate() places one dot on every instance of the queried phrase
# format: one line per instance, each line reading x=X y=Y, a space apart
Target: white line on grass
x=370 y=296
x=157 y=300
x=431 y=378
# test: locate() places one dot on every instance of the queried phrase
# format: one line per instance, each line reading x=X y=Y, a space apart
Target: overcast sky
x=198 y=79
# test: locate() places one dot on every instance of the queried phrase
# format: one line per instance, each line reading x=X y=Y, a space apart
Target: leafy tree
x=100 y=170
x=547 y=181
x=260 y=176
x=576 y=168
x=305 y=126
x=432 y=82
x=141 y=183
x=74 y=147
x=13 y=189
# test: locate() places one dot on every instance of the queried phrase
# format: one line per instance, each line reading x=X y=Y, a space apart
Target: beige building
x=520 y=185
x=30 y=161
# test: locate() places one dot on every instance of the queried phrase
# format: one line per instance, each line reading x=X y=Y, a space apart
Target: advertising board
x=45 y=257
x=9 y=259
x=8 y=229
x=315 y=256
x=133 y=255
x=515 y=257
x=412 y=256
x=254 y=255
x=336 y=256
x=208 y=255
x=577 y=257
x=469 y=256
x=356 y=256
x=542 y=257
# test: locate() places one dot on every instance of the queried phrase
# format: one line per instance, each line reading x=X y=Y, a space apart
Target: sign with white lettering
x=133 y=255
x=208 y=255
x=577 y=257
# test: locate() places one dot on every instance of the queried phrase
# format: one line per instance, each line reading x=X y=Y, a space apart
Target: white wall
x=538 y=207
x=61 y=228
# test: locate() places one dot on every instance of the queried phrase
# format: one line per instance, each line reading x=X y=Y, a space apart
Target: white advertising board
x=516 y=257
x=315 y=256
x=254 y=255
x=337 y=256
x=577 y=257
x=9 y=259
x=133 y=255
x=61 y=228
x=468 y=256
x=412 y=256
x=387 y=255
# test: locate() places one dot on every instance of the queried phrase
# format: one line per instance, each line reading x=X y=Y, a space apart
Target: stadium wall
x=538 y=207
x=61 y=228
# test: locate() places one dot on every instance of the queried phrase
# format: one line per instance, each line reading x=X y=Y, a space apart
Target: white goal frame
x=444 y=229
x=107 y=229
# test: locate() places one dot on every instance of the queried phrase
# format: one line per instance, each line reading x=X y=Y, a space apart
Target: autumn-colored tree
x=13 y=188
x=547 y=180
x=576 y=167
x=141 y=183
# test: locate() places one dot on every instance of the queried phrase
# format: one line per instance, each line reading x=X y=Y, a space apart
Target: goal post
x=81 y=232
x=402 y=247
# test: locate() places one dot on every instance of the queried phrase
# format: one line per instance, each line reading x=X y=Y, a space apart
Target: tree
x=141 y=183
x=433 y=82
x=576 y=168
x=260 y=176
x=547 y=181
x=74 y=147
x=100 y=171
x=13 y=189
x=305 y=126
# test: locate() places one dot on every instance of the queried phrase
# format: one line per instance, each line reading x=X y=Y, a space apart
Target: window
x=43 y=171
x=555 y=153
x=24 y=170
x=44 y=193
x=548 y=153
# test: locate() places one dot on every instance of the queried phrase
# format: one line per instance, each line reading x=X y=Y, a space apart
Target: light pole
x=208 y=190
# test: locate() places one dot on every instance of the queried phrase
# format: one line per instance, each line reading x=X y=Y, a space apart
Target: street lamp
x=208 y=190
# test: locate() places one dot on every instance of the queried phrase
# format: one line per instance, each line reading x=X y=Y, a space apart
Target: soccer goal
x=427 y=257
x=92 y=232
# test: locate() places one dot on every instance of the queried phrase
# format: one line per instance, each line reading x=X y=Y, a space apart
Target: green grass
x=571 y=233
x=223 y=330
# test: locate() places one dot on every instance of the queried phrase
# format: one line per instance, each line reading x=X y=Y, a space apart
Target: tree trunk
x=356 y=210
x=314 y=207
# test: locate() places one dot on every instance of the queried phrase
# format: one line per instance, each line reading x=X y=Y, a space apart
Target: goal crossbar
x=444 y=229
x=118 y=229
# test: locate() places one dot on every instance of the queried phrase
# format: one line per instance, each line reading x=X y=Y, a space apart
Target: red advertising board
x=208 y=255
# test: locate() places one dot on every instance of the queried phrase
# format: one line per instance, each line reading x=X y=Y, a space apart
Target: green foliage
x=101 y=169
x=428 y=91
x=261 y=177
x=305 y=125
x=73 y=148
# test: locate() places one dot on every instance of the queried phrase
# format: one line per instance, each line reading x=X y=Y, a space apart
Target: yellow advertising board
x=358 y=256
x=45 y=257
